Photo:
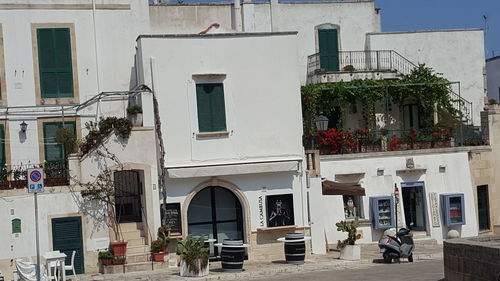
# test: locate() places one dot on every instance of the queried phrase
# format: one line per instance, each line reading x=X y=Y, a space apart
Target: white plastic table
x=58 y=257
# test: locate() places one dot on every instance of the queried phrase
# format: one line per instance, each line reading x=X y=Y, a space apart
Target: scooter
x=396 y=247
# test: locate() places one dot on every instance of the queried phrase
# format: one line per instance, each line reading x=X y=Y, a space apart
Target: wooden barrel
x=232 y=255
x=295 y=252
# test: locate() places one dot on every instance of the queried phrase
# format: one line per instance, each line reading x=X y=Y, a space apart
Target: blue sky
x=403 y=15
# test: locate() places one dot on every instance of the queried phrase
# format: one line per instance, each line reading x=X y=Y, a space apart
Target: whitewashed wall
x=458 y=54
x=493 y=77
x=262 y=99
x=252 y=186
x=354 y=19
x=456 y=179
x=22 y=206
x=116 y=30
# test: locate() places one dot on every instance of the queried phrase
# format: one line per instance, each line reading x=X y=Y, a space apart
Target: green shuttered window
x=211 y=108
x=54 y=61
x=54 y=152
x=16 y=226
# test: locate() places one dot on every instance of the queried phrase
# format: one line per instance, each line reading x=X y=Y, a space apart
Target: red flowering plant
x=330 y=141
x=393 y=146
x=441 y=134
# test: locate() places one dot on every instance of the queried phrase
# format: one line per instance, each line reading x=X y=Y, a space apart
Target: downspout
x=96 y=56
x=237 y=15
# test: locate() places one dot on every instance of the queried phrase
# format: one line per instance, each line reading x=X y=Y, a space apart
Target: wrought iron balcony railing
x=15 y=176
x=349 y=61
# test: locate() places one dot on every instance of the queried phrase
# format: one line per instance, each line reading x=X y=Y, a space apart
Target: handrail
x=349 y=61
x=463 y=107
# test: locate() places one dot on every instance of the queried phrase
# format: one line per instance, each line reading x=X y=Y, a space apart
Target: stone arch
x=229 y=186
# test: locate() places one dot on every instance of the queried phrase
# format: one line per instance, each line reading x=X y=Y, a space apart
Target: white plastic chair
x=72 y=265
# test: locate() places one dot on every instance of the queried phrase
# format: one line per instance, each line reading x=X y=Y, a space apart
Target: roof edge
x=425 y=31
x=216 y=35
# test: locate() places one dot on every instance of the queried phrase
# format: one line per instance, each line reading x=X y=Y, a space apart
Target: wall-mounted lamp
x=23 y=126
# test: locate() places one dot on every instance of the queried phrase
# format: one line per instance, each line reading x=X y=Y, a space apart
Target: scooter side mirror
x=411 y=225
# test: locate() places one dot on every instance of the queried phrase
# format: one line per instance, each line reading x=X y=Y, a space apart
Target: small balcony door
x=128 y=191
x=328 y=49
x=483 y=207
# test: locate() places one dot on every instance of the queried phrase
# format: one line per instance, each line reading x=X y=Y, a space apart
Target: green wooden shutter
x=218 y=108
x=67 y=237
x=54 y=152
x=54 y=59
x=211 y=107
x=16 y=226
x=328 y=49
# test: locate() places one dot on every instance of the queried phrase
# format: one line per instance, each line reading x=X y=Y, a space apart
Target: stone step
x=145 y=266
x=131 y=226
x=136 y=241
x=133 y=234
x=141 y=249
x=142 y=257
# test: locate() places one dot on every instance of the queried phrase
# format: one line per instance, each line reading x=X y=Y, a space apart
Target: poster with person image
x=279 y=210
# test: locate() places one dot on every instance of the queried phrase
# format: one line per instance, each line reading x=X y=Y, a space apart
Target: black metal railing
x=463 y=108
x=16 y=176
x=349 y=61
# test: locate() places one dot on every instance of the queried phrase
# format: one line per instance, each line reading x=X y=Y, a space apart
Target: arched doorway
x=216 y=213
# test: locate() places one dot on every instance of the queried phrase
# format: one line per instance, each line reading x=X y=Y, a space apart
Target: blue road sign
x=35 y=180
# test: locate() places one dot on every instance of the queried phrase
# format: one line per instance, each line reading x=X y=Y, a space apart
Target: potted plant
x=119 y=260
x=194 y=257
x=347 y=247
x=105 y=257
x=135 y=113
x=164 y=236
x=157 y=253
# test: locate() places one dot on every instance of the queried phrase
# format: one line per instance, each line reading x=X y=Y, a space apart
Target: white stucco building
x=230 y=111
x=228 y=150
x=493 y=76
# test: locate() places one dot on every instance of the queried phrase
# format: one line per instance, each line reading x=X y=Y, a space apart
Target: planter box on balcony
x=441 y=144
x=424 y=145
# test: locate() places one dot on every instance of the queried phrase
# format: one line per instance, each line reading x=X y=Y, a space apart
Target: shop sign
x=280 y=210
x=261 y=211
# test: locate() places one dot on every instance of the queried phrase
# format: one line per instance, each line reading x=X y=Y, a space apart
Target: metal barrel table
x=232 y=254
x=295 y=247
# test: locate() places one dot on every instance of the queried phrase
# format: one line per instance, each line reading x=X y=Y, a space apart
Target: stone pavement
x=260 y=270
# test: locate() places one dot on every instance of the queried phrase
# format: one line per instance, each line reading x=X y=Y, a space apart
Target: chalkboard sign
x=173 y=218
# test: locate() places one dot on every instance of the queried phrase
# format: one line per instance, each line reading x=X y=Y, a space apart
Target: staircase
x=137 y=247
x=138 y=251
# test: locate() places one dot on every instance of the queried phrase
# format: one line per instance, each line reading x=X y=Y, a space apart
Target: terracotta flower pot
x=119 y=249
x=158 y=257
x=118 y=261
x=106 y=262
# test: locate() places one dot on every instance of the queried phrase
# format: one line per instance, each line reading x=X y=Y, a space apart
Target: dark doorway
x=414 y=205
x=67 y=237
x=128 y=191
x=216 y=213
x=483 y=207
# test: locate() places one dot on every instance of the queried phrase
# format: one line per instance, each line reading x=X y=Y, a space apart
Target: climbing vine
x=427 y=88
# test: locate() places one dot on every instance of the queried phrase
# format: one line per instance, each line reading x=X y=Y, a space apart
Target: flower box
x=158 y=257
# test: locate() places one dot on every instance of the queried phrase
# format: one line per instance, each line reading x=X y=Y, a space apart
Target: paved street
x=431 y=270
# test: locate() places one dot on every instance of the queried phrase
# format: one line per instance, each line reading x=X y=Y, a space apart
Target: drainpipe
x=96 y=57
x=237 y=15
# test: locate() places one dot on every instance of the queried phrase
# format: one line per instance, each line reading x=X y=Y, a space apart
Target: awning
x=238 y=169
x=337 y=188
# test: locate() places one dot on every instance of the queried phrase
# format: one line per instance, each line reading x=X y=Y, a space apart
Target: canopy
x=337 y=188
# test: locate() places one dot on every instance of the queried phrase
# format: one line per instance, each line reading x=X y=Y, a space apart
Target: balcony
x=334 y=141
x=352 y=65
x=15 y=176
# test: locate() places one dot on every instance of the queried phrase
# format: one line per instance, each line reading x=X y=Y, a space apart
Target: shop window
x=16 y=226
x=211 y=107
x=353 y=206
